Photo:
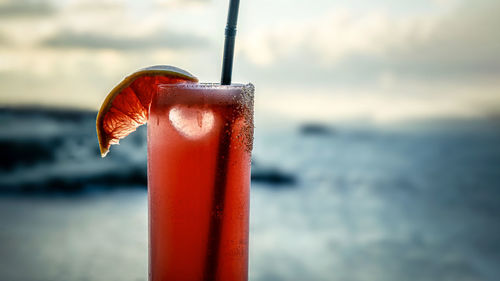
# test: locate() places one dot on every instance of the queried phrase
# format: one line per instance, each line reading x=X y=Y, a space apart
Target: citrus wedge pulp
x=126 y=107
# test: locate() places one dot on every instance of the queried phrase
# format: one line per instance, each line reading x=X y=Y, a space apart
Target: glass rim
x=205 y=85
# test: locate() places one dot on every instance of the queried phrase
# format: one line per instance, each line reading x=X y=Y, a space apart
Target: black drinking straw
x=230 y=34
x=220 y=182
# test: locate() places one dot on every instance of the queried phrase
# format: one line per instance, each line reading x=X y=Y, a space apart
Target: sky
x=379 y=61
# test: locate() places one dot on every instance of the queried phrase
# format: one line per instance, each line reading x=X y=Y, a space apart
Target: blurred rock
x=316 y=129
x=271 y=175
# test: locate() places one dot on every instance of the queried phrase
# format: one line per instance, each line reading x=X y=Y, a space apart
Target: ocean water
x=366 y=204
x=382 y=205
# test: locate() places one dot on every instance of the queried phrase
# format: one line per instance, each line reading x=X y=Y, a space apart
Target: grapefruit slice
x=126 y=107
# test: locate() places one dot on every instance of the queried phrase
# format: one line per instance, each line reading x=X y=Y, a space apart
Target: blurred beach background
x=377 y=139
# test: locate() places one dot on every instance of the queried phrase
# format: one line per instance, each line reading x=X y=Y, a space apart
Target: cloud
x=3 y=40
x=342 y=44
x=158 y=40
x=378 y=64
x=31 y=8
x=417 y=59
x=98 y=5
x=179 y=3
x=461 y=44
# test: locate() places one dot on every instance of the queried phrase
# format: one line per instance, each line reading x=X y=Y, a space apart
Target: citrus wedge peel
x=126 y=107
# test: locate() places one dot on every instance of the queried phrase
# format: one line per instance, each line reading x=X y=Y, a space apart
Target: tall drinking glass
x=199 y=144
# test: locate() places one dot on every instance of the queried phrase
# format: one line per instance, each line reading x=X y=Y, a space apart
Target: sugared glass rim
x=214 y=92
x=206 y=86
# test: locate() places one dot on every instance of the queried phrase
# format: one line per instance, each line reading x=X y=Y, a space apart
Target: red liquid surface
x=199 y=143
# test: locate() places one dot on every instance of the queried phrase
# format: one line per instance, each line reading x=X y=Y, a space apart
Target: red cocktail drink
x=199 y=144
